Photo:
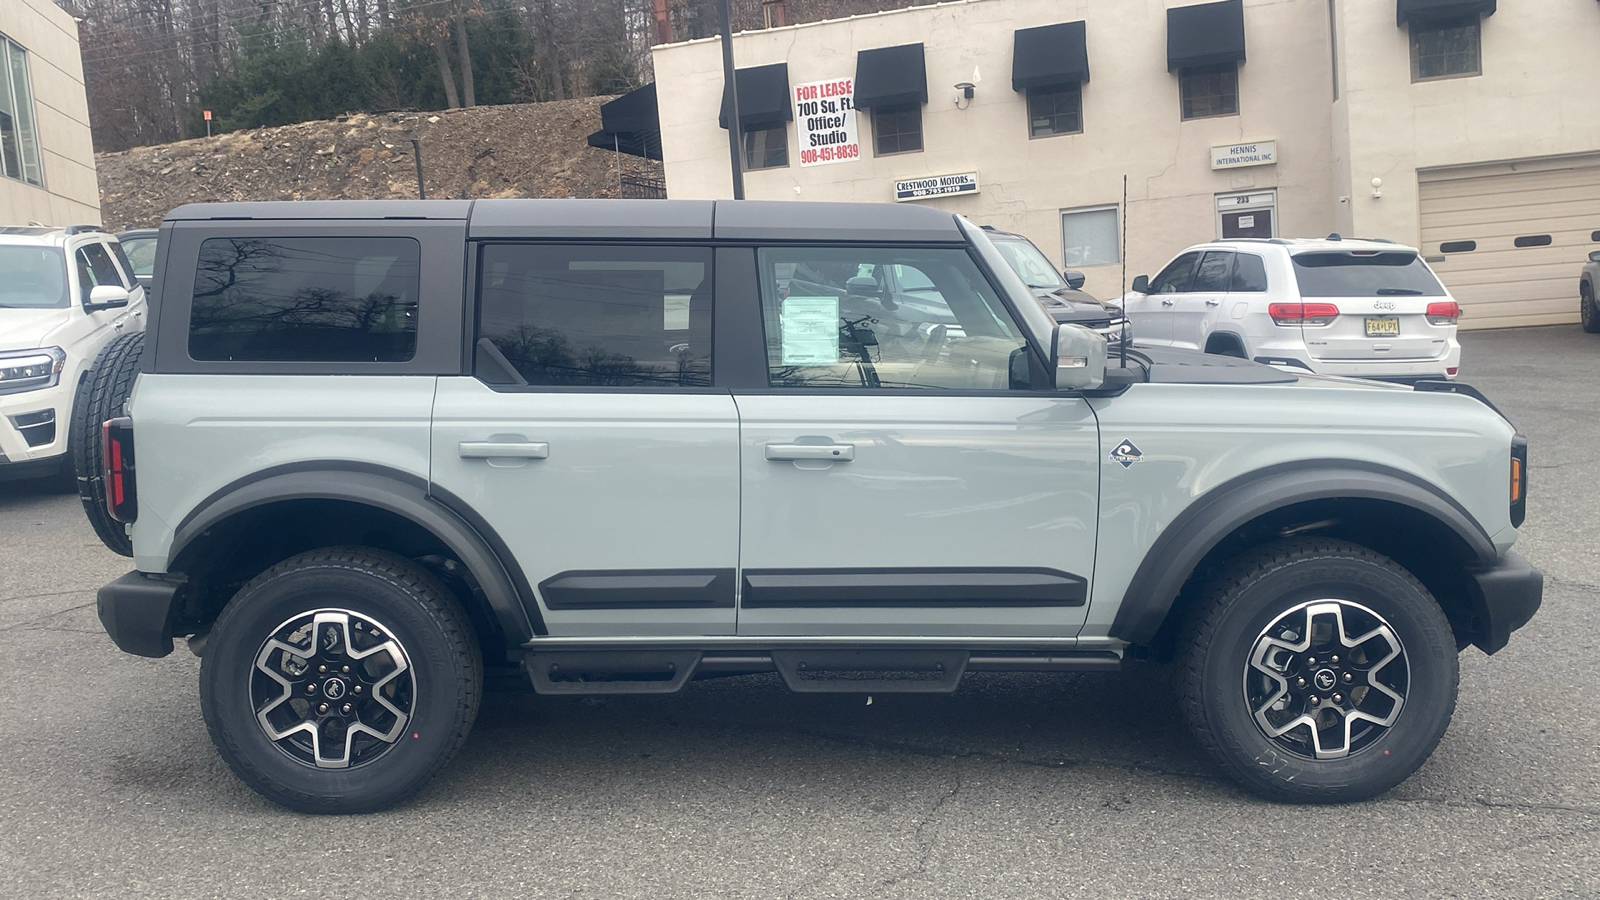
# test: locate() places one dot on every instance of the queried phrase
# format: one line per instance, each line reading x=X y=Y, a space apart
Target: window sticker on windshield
x=810 y=327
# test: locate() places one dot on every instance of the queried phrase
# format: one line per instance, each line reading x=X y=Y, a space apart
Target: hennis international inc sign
x=1237 y=156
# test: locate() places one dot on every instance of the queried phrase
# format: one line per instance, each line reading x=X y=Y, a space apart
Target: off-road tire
x=1262 y=589
x=1586 y=310
x=101 y=396
x=417 y=612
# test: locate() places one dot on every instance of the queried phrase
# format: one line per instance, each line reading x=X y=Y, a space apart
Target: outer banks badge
x=1126 y=453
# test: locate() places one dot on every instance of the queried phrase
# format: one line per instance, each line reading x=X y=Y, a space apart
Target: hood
x=27 y=329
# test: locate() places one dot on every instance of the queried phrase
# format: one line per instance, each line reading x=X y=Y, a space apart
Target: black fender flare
x=1196 y=531
x=409 y=496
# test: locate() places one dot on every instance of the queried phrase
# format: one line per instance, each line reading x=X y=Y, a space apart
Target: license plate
x=1383 y=326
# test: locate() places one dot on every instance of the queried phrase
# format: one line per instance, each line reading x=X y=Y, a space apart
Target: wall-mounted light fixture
x=1377 y=188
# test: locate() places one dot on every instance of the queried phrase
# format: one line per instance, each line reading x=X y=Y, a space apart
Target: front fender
x=1196 y=531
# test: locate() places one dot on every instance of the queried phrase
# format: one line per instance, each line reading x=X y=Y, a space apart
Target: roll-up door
x=1509 y=239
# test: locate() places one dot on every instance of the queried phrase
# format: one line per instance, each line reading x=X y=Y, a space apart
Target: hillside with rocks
x=527 y=150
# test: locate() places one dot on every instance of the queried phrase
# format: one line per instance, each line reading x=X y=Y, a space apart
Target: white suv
x=64 y=294
x=1362 y=308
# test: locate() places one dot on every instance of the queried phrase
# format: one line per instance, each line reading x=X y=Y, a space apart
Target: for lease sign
x=826 y=116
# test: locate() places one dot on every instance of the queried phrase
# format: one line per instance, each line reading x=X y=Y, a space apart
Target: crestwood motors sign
x=936 y=186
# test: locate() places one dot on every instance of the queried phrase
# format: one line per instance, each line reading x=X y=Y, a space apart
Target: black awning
x=763 y=97
x=891 y=76
x=1208 y=34
x=1431 y=10
x=1050 y=56
x=634 y=111
x=635 y=143
x=630 y=124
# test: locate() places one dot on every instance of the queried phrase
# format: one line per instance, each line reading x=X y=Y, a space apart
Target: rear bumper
x=138 y=611
x=1507 y=596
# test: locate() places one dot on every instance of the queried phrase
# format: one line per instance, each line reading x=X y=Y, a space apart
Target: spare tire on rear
x=100 y=397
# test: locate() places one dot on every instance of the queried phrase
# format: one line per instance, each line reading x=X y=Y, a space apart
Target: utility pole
x=735 y=129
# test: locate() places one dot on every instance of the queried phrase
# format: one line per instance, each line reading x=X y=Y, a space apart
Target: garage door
x=1510 y=239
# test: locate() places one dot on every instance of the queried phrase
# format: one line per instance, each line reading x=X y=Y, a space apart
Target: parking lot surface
x=1015 y=786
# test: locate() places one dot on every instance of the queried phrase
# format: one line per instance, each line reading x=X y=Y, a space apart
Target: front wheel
x=1586 y=310
x=340 y=681
x=1319 y=671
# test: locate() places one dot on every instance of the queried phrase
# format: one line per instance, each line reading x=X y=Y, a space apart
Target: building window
x=1209 y=91
x=1446 y=48
x=1089 y=237
x=766 y=148
x=1055 y=110
x=897 y=129
x=19 y=139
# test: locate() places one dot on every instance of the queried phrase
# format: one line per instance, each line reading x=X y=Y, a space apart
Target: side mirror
x=1141 y=284
x=1080 y=358
x=1594 y=256
x=107 y=296
x=1073 y=277
x=863 y=286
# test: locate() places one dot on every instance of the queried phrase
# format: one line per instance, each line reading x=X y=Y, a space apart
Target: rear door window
x=1213 y=273
x=330 y=299
x=1364 y=274
x=594 y=316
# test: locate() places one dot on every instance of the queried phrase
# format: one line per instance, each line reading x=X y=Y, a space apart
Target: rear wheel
x=340 y=681
x=1319 y=671
x=1586 y=310
x=100 y=396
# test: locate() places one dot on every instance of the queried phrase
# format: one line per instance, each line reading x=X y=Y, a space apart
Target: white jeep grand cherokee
x=1361 y=308
x=64 y=294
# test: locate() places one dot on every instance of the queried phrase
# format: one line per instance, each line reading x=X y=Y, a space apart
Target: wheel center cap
x=1324 y=680
x=334 y=688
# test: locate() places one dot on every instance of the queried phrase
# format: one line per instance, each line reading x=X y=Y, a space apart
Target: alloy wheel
x=1326 y=679
x=332 y=688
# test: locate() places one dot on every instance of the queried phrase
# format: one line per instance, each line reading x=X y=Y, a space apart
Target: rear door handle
x=829 y=452
x=1213 y=302
x=1166 y=303
x=504 y=450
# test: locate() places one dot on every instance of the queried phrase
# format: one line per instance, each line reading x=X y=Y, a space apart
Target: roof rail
x=83 y=229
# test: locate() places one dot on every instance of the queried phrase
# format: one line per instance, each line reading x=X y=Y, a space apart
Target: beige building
x=1469 y=128
x=46 y=156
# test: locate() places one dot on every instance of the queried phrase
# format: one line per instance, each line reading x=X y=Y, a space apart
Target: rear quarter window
x=1364 y=274
x=331 y=299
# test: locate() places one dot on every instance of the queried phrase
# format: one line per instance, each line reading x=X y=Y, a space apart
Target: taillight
x=122 y=495
x=1445 y=312
x=1302 y=313
x=1519 y=480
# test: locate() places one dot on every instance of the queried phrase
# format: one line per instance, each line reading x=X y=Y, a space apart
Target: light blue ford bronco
x=370 y=452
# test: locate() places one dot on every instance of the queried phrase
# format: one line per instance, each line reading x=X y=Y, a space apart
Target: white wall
x=1132 y=123
x=71 y=194
x=1539 y=95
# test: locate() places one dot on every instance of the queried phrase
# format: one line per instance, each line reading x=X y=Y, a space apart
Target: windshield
x=1364 y=273
x=1026 y=260
x=32 y=278
x=141 y=253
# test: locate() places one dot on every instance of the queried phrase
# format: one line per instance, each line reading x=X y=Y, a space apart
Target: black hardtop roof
x=774 y=220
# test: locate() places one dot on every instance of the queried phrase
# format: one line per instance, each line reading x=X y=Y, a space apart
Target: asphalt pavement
x=1014 y=787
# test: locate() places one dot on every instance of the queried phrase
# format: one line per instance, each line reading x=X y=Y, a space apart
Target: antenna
x=1123 y=215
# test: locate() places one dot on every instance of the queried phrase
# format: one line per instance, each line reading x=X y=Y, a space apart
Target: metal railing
x=637 y=188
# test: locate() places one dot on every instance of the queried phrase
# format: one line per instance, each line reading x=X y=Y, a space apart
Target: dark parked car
x=140 y=246
x=1060 y=293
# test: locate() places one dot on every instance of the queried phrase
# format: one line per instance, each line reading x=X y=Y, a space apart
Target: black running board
x=876 y=670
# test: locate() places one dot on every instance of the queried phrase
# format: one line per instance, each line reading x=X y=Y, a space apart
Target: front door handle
x=1166 y=303
x=504 y=450
x=829 y=452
